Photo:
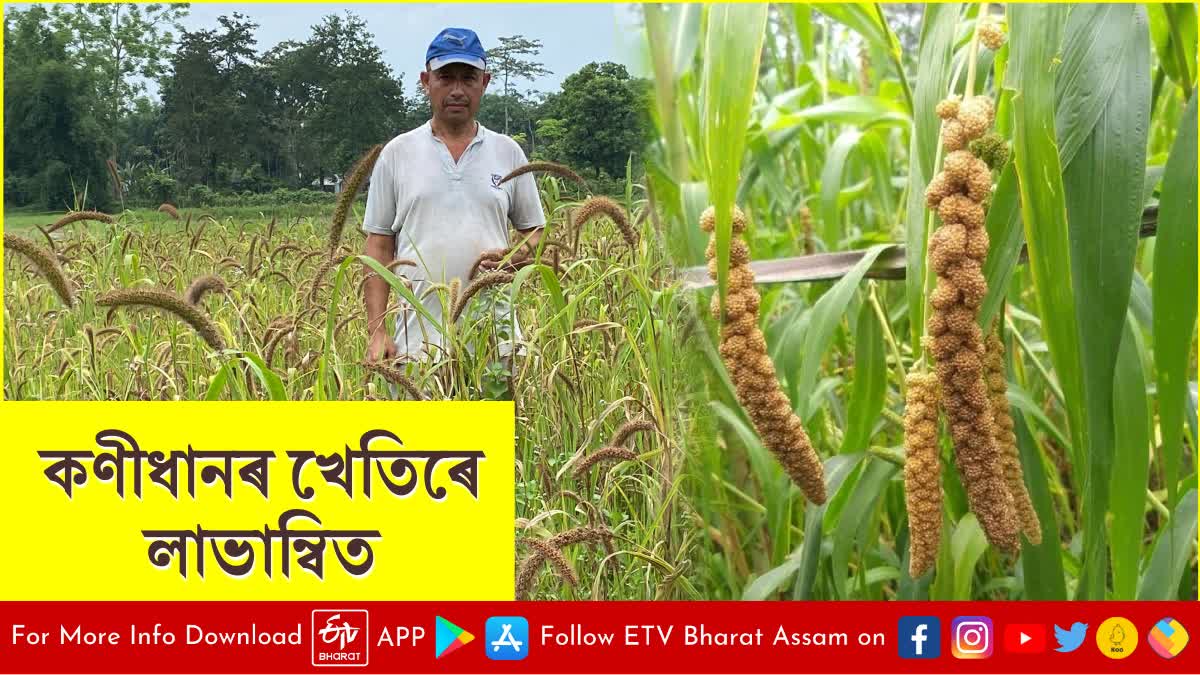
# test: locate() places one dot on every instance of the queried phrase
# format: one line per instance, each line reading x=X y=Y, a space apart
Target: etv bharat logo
x=339 y=637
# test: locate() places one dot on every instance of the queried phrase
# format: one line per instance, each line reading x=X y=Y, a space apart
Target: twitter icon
x=1069 y=640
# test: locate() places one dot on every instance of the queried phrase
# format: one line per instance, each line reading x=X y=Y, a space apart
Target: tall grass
x=600 y=345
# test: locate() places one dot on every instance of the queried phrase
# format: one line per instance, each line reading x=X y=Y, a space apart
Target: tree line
x=81 y=129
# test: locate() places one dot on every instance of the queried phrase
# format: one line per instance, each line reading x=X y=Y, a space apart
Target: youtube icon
x=1024 y=638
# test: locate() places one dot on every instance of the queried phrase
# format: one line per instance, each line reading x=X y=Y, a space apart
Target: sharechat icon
x=1070 y=640
x=1168 y=638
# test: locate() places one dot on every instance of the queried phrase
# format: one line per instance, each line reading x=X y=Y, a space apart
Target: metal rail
x=828 y=266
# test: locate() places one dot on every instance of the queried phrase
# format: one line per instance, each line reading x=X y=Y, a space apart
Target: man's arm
x=531 y=239
x=381 y=247
x=522 y=252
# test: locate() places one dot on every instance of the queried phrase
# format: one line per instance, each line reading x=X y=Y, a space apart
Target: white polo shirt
x=445 y=213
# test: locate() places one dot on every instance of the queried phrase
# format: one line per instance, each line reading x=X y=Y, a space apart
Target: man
x=435 y=196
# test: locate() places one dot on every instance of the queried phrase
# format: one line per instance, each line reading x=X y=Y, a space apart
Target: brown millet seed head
x=46 y=264
x=922 y=472
x=708 y=220
x=991 y=35
x=597 y=206
x=956 y=256
x=629 y=428
x=607 y=454
x=954 y=136
x=77 y=216
x=976 y=115
x=743 y=349
x=209 y=283
x=551 y=168
x=169 y=209
x=558 y=562
x=493 y=278
x=527 y=574
x=396 y=376
x=1006 y=440
x=195 y=317
x=581 y=535
x=362 y=169
x=947 y=109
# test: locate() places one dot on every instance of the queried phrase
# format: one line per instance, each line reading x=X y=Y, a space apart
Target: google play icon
x=449 y=637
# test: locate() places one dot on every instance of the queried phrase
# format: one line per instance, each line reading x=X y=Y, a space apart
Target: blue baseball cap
x=456 y=45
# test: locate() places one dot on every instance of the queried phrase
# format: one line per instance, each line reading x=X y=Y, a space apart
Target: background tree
x=52 y=142
x=506 y=60
x=602 y=112
x=209 y=114
x=338 y=96
x=124 y=45
x=229 y=119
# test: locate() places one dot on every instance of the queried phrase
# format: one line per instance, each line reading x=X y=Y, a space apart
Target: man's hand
x=381 y=347
x=490 y=260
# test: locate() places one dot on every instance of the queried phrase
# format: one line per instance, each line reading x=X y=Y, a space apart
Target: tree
x=601 y=109
x=123 y=45
x=211 y=111
x=52 y=153
x=338 y=96
x=506 y=59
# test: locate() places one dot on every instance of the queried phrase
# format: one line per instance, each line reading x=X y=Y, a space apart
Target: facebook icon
x=920 y=637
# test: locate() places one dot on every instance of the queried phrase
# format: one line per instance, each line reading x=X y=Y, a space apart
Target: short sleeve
x=526 y=212
x=380 y=215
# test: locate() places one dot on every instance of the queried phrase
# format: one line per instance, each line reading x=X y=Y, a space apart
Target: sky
x=572 y=34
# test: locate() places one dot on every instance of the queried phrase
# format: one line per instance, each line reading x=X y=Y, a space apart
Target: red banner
x=593 y=637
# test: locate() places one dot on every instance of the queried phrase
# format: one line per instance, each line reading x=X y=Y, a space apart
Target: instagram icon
x=971 y=637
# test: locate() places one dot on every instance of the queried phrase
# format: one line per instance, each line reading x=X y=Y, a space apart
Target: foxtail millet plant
x=957 y=252
x=551 y=168
x=169 y=209
x=1006 y=440
x=350 y=188
x=612 y=453
x=529 y=567
x=77 y=216
x=209 y=283
x=194 y=316
x=45 y=262
x=595 y=207
x=486 y=280
x=991 y=34
x=922 y=472
x=558 y=561
x=629 y=428
x=744 y=350
x=396 y=377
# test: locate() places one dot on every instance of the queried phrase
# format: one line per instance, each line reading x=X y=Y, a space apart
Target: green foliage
x=601 y=109
x=505 y=60
x=122 y=46
x=160 y=187
x=234 y=118
x=833 y=159
x=50 y=131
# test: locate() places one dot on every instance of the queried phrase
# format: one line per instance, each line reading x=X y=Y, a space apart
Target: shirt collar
x=480 y=132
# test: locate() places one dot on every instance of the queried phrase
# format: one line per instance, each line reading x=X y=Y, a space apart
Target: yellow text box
x=436 y=539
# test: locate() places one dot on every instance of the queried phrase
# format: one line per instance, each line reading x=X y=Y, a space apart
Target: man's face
x=455 y=91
